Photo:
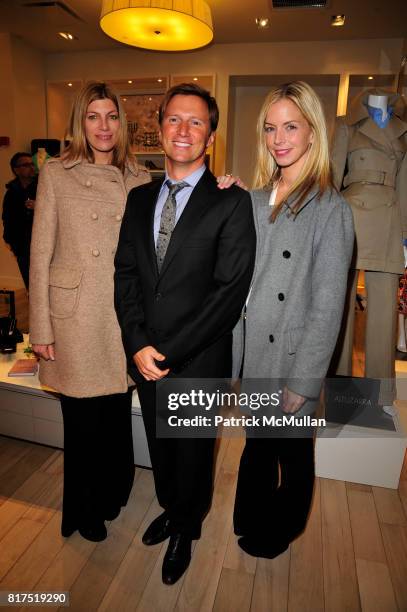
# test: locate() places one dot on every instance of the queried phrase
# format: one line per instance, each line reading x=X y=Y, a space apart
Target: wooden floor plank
x=236 y=559
x=127 y=586
x=26 y=529
x=158 y=596
x=199 y=588
x=376 y=590
x=39 y=555
x=340 y=579
x=11 y=451
x=306 y=589
x=270 y=590
x=234 y=591
x=98 y=572
x=30 y=492
x=22 y=469
x=367 y=539
x=395 y=544
x=389 y=507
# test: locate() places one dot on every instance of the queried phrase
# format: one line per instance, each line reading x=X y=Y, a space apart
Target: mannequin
x=379 y=102
x=370 y=168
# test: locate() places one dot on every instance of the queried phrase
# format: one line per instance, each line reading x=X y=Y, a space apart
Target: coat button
x=94 y=216
x=281 y=296
x=88 y=183
x=271 y=338
x=158 y=297
x=95 y=252
x=286 y=254
x=118 y=217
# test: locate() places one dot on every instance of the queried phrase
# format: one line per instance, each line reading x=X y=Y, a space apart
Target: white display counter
x=31 y=411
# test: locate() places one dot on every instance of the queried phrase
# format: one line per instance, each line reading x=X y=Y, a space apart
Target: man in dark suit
x=183 y=268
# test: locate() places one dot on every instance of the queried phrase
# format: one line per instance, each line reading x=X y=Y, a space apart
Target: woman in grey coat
x=293 y=312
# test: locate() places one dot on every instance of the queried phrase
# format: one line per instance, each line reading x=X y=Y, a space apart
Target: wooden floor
x=352 y=556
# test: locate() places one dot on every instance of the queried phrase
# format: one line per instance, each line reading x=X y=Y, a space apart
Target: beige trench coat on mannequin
x=370 y=169
x=370 y=165
x=77 y=220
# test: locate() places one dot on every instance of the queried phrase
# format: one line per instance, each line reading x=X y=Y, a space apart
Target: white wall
x=348 y=56
x=22 y=118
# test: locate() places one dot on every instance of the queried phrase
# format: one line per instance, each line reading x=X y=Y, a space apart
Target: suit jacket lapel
x=201 y=198
x=147 y=224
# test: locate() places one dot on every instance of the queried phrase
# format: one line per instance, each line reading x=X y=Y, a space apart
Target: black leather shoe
x=177 y=558
x=257 y=548
x=158 y=530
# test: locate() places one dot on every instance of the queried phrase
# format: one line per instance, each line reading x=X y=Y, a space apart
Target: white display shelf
x=32 y=411
x=365 y=455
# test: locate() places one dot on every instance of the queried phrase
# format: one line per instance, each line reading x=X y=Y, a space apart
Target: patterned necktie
x=167 y=222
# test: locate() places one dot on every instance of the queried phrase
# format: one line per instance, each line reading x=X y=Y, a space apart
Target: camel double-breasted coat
x=77 y=220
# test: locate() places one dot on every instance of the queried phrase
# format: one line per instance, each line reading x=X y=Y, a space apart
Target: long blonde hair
x=316 y=169
x=79 y=147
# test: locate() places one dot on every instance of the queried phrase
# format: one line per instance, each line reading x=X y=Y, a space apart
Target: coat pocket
x=294 y=339
x=64 y=289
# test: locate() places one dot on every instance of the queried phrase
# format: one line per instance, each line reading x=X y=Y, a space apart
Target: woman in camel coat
x=73 y=326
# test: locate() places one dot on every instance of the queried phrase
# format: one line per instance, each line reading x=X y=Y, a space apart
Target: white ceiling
x=234 y=22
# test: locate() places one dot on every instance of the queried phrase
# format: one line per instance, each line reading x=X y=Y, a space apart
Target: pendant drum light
x=159 y=25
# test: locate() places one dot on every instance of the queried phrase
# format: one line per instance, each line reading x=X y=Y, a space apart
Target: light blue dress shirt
x=182 y=198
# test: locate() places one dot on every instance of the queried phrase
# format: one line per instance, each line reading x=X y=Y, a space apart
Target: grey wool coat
x=77 y=220
x=294 y=310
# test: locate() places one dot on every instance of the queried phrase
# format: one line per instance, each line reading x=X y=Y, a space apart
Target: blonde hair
x=79 y=147
x=316 y=169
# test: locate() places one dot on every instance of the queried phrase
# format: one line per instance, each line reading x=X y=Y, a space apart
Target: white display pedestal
x=31 y=411
x=365 y=455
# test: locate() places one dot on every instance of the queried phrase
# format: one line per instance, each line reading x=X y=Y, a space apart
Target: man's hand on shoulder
x=227 y=180
x=145 y=360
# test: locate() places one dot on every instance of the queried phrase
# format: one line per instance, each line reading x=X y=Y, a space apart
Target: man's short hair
x=15 y=159
x=191 y=89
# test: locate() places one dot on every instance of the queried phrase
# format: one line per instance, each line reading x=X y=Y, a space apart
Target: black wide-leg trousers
x=98 y=457
x=274 y=489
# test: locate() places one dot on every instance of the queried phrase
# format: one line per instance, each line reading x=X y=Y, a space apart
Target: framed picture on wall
x=142 y=120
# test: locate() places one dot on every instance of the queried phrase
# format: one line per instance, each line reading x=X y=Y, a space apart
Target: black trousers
x=23 y=261
x=274 y=489
x=182 y=468
x=98 y=456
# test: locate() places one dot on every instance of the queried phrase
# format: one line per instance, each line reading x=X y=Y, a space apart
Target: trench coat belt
x=370 y=176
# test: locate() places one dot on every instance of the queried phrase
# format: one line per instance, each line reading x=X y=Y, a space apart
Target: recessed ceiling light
x=195 y=79
x=262 y=22
x=130 y=82
x=67 y=35
x=124 y=99
x=160 y=80
x=337 y=20
x=70 y=84
x=370 y=78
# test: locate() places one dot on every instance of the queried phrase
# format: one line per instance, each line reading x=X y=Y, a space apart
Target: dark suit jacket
x=192 y=305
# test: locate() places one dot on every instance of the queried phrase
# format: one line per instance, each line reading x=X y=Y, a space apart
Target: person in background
x=293 y=312
x=18 y=211
x=73 y=325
